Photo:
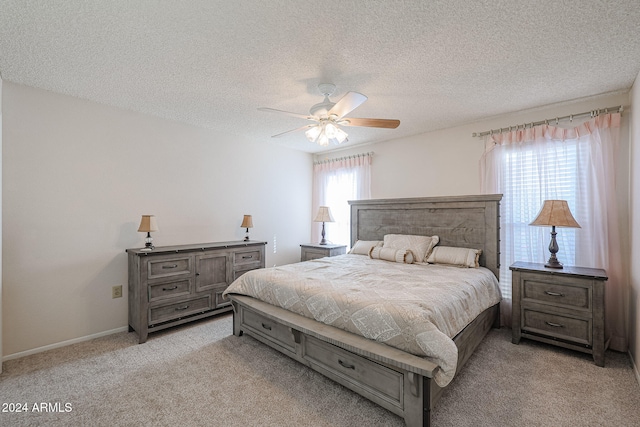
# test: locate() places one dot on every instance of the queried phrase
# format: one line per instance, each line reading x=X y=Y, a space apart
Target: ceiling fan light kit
x=329 y=116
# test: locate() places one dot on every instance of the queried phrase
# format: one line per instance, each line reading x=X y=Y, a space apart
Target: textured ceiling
x=430 y=64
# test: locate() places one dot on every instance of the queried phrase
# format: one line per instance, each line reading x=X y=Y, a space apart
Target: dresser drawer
x=221 y=301
x=562 y=327
x=162 y=267
x=273 y=331
x=171 y=289
x=180 y=309
x=242 y=259
x=366 y=375
x=558 y=294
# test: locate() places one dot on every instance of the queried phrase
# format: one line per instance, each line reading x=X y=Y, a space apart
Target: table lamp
x=324 y=215
x=147 y=225
x=247 y=222
x=555 y=213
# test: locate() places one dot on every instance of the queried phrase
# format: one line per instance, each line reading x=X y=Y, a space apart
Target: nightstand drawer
x=566 y=328
x=556 y=293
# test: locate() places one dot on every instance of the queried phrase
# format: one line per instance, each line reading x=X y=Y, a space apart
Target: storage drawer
x=562 y=327
x=310 y=254
x=160 y=267
x=365 y=374
x=557 y=294
x=171 y=289
x=221 y=301
x=269 y=329
x=179 y=309
x=247 y=257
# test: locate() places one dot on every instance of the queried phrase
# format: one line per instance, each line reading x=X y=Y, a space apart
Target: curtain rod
x=353 y=156
x=592 y=113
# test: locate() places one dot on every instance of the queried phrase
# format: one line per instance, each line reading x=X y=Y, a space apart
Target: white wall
x=77 y=178
x=634 y=311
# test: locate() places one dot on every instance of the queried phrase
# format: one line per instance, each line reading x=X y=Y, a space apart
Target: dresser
x=563 y=307
x=172 y=285
x=315 y=250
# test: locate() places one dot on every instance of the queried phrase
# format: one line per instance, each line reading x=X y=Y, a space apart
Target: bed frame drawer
x=364 y=374
x=268 y=329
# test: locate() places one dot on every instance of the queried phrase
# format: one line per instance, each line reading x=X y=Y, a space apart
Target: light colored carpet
x=201 y=375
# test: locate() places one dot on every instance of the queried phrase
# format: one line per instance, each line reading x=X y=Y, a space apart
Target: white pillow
x=462 y=257
x=362 y=247
x=389 y=254
x=421 y=246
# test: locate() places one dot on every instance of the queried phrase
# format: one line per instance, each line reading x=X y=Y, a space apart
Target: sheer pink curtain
x=335 y=182
x=577 y=164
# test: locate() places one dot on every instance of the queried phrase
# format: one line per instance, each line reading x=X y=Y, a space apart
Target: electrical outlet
x=116 y=291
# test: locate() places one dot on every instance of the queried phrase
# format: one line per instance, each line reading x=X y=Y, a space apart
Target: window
x=336 y=182
x=530 y=176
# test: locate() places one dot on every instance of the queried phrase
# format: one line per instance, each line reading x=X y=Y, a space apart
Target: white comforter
x=416 y=308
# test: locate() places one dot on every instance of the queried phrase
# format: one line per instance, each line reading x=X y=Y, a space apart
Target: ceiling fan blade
x=347 y=104
x=301 y=116
x=293 y=130
x=375 y=123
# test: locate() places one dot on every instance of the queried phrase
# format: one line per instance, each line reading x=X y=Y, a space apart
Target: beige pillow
x=362 y=247
x=389 y=254
x=462 y=257
x=420 y=246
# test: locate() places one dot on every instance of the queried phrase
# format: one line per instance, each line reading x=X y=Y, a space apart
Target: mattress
x=417 y=308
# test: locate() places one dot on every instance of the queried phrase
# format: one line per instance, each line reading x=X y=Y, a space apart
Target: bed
x=395 y=378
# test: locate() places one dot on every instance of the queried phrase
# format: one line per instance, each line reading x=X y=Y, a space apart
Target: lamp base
x=323 y=241
x=553 y=248
x=553 y=264
x=148 y=245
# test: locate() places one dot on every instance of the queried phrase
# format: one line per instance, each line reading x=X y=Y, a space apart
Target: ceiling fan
x=329 y=116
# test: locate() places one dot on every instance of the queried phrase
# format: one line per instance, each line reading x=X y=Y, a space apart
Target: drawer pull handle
x=182 y=308
x=554 y=294
x=170 y=289
x=247 y=256
x=166 y=267
x=346 y=365
x=555 y=325
x=267 y=327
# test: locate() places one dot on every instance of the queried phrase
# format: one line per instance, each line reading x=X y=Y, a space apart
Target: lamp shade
x=148 y=224
x=247 y=222
x=324 y=215
x=555 y=213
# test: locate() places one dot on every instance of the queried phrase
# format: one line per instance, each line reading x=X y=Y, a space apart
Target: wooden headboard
x=460 y=221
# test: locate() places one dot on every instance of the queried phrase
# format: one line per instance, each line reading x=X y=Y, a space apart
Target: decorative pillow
x=390 y=254
x=421 y=246
x=462 y=257
x=363 y=247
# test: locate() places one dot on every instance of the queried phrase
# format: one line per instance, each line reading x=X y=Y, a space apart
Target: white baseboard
x=62 y=344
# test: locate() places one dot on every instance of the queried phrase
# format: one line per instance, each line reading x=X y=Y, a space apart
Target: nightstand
x=563 y=307
x=316 y=250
